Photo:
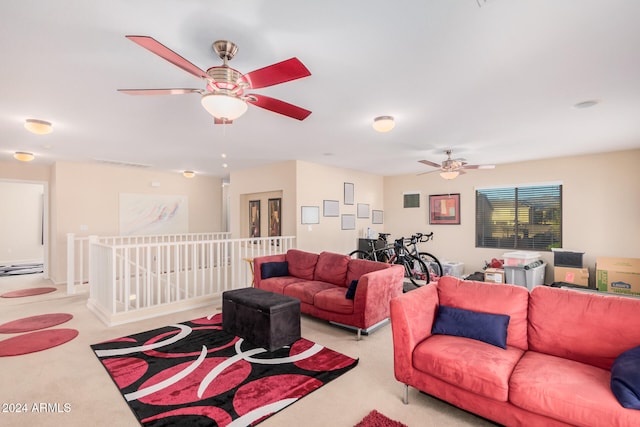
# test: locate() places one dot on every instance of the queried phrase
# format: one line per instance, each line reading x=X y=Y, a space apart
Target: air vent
x=125 y=164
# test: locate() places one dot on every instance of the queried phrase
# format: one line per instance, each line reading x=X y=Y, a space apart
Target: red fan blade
x=218 y=121
x=159 y=91
x=278 y=106
x=429 y=163
x=284 y=71
x=161 y=50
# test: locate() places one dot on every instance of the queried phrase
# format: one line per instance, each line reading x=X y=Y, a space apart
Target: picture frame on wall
x=275 y=215
x=330 y=208
x=254 y=218
x=363 y=210
x=444 y=209
x=377 y=217
x=310 y=215
x=348 y=222
x=349 y=191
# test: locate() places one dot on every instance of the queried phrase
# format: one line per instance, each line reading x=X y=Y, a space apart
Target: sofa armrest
x=375 y=291
x=258 y=261
x=412 y=316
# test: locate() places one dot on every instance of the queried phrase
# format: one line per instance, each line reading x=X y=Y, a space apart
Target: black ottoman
x=263 y=318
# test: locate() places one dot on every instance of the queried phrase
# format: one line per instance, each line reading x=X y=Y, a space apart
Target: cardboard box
x=494 y=275
x=575 y=276
x=618 y=275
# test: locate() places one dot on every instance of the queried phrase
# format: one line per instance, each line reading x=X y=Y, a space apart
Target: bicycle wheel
x=360 y=255
x=416 y=270
x=433 y=265
x=381 y=256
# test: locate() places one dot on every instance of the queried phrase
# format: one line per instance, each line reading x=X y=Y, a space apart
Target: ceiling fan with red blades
x=224 y=96
x=451 y=168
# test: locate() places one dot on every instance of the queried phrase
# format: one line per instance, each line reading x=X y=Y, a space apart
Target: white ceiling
x=496 y=81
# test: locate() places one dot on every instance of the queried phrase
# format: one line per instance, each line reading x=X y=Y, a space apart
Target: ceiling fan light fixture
x=449 y=174
x=188 y=174
x=383 y=123
x=39 y=127
x=224 y=107
x=23 y=156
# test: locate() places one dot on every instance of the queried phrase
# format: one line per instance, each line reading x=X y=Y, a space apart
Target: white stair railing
x=130 y=282
x=78 y=250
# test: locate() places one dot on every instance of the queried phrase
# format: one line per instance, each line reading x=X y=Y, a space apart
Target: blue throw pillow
x=486 y=327
x=274 y=269
x=625 y=378
x=351 y=292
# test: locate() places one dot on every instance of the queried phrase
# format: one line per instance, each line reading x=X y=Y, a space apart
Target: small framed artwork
x=310 y=214
x=330 y=208
x=275 y=211
x=254 y=218
x=363 y=210
x=377 y=217
x=348 y=193
x=444 y=209
x=348 y=222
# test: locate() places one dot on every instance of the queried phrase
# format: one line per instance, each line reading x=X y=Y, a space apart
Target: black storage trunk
x=562 y=258
x=263 y=318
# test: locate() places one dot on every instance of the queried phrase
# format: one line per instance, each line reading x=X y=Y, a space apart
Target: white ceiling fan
x=451 y=168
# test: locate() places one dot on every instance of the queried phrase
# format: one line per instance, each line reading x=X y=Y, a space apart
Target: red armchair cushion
x=301 y=264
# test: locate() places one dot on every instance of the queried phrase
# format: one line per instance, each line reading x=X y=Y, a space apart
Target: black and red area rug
x=195 y=374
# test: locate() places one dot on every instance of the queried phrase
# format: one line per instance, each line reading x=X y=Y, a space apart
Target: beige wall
x=601 y=206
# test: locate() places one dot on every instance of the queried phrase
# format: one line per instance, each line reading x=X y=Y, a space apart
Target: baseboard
x=366 y=331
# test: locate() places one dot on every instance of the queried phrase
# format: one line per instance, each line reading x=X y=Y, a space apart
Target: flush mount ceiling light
x=23 y=157
x=383 y=123
x=449 y=174
x=188 y=174
x=586 y=104
x=39 y=127
x=224 y=107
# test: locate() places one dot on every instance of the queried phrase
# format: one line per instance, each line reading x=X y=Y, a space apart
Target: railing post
x=71 y=289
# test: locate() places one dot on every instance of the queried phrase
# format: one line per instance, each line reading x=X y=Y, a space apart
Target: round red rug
x=34 y=323
x=36 y=341
x=27 y=292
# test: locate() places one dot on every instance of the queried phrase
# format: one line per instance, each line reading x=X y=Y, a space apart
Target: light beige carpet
x=67 y=386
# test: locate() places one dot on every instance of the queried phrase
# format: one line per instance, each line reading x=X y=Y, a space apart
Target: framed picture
x=310 y=215
x=363 y=210
x=444 y=209
x=348 y=193
x=348 y=222
x=275 y=212
x=330 y=208
x=377 y=217
x=254 y=218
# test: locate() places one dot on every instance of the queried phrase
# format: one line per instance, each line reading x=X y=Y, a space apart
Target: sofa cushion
x=277 y=284
x=351 y=292
x=469 y=364
x=306 y=291
x=301 y=264
x=274 y=269
x=625 y=378
x=489 y=298
x=566 y=390
x=333 y=300
x=487 y=327
x=332 y=268
x=359 y=267
x=586 y=327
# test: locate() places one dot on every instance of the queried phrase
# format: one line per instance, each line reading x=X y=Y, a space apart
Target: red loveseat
x=322 y=281
x=555 y=369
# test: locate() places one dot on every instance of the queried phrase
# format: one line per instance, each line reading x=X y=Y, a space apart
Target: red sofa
x=555 y=369
x=321 y=281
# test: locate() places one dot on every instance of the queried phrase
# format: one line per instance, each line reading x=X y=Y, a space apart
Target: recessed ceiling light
x=23 y=156
x=383 y=123
x=39 y=127
x=586 y=104
x=188 y=174
x=223 y=155
x=224 y=165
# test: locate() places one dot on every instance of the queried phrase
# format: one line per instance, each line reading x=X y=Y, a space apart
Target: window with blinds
x=528 y=218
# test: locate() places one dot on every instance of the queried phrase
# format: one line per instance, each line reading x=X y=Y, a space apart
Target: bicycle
x=415 y=269
x=433 y=264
